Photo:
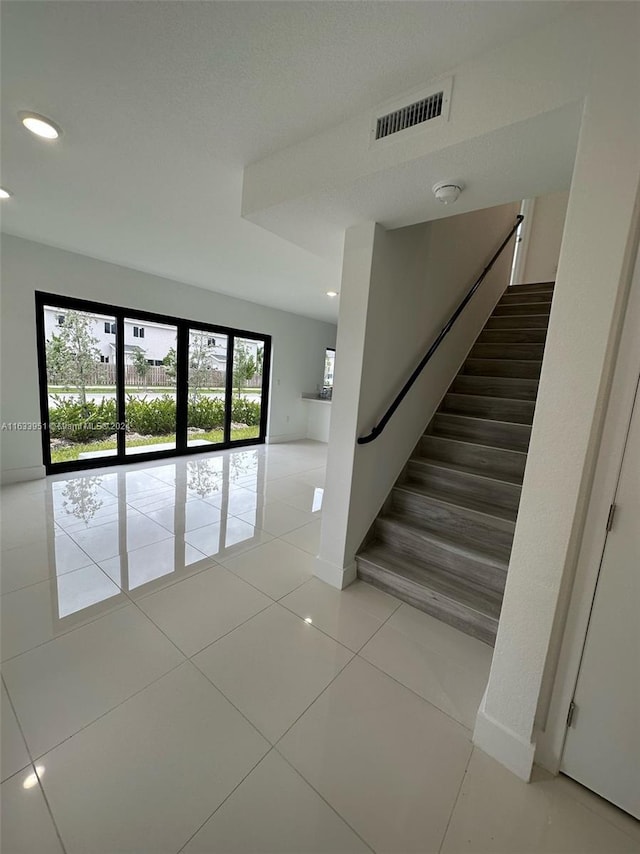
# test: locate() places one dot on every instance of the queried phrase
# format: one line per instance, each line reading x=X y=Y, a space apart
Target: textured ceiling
x=162 y=104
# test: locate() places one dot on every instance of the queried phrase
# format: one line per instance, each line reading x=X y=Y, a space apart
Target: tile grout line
x=226 y=798
x=269 y=741
x=398 y=682
x=323 y=631
x=226 y=634
x=315 y=700
x=71 y=629
x=50 y=578
x=32 y=763
x=322 y=797
x=209 y=679
x=457 y=798
x=15 y=714
x=231 y=703
x=108 y=711
x=466 y=729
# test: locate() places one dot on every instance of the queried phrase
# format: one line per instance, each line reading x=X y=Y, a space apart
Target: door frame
x=624 y=380
x=183 y=325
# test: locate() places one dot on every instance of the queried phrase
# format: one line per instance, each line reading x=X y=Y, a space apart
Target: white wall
x=298 y=343
x=545 y=238
x=593 y=277
x=398 y=289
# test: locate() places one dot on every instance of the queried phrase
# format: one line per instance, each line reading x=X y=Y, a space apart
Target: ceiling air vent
x=408 y=117
x=402 y=115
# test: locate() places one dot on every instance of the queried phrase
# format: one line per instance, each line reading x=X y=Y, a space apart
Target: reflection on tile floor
x=170 y=667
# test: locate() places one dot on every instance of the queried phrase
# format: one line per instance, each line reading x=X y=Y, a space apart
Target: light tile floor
x=176 y=680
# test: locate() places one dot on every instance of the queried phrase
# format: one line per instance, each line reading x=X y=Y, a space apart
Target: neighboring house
x=155 y=339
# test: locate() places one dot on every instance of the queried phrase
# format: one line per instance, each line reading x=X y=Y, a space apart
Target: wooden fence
x=159 y=378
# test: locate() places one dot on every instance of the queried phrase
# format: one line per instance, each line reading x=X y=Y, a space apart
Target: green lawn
x=72 y=452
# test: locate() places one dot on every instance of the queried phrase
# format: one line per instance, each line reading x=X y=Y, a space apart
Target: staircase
x=443 y=538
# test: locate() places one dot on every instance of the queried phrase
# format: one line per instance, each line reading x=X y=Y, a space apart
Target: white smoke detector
x=447 y=192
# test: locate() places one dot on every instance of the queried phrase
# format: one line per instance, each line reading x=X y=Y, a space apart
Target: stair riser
x=507 y=351
x=457 y=523
x=454 y=483
x=522 y=321
x=522 y=369
x=530 y=296
x=500 y=434
x=514 y=388
x=521 y=308
x=495 y=408
x=512 y=336
x=453 y=613
x=495 y=462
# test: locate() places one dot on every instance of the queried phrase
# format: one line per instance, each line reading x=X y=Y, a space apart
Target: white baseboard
x=503 y=745
x=22 y=474
x=331 y=573
x=285 y=437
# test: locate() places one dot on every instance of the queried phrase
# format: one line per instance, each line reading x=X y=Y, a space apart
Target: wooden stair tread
x=429 y=461
x=485 y=602
x=477 y=552
x=524 y=314
x=524 y=407
x=479 y=386
x=464 y=502
x=490 y=432
x=482 y=420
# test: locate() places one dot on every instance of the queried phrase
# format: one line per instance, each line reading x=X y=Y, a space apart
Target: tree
x=73 y=354
x=245 y=366
x=141 y=365
x=170 y=362
x=200 y=363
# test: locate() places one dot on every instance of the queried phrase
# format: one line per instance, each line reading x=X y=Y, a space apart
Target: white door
x=602 y=749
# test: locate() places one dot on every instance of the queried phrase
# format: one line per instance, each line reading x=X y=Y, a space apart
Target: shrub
x=151 y=417
x=207 y=413
x=245 y=412
x=81 y=422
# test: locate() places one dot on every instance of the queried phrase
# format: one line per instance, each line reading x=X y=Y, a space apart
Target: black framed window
x=329 y=367
x=190 y=387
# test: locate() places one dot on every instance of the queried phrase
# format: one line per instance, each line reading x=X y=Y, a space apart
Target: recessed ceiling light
x=5 y=194
x=332 y=293
x=40 y=125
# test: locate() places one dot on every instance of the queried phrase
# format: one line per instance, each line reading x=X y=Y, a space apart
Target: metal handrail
x=377 y=430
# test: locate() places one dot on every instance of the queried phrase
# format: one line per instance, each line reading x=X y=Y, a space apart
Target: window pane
x=81 y=387
x=248 y=355
x=150 y=387
x=329 y=362
x=207 y=383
